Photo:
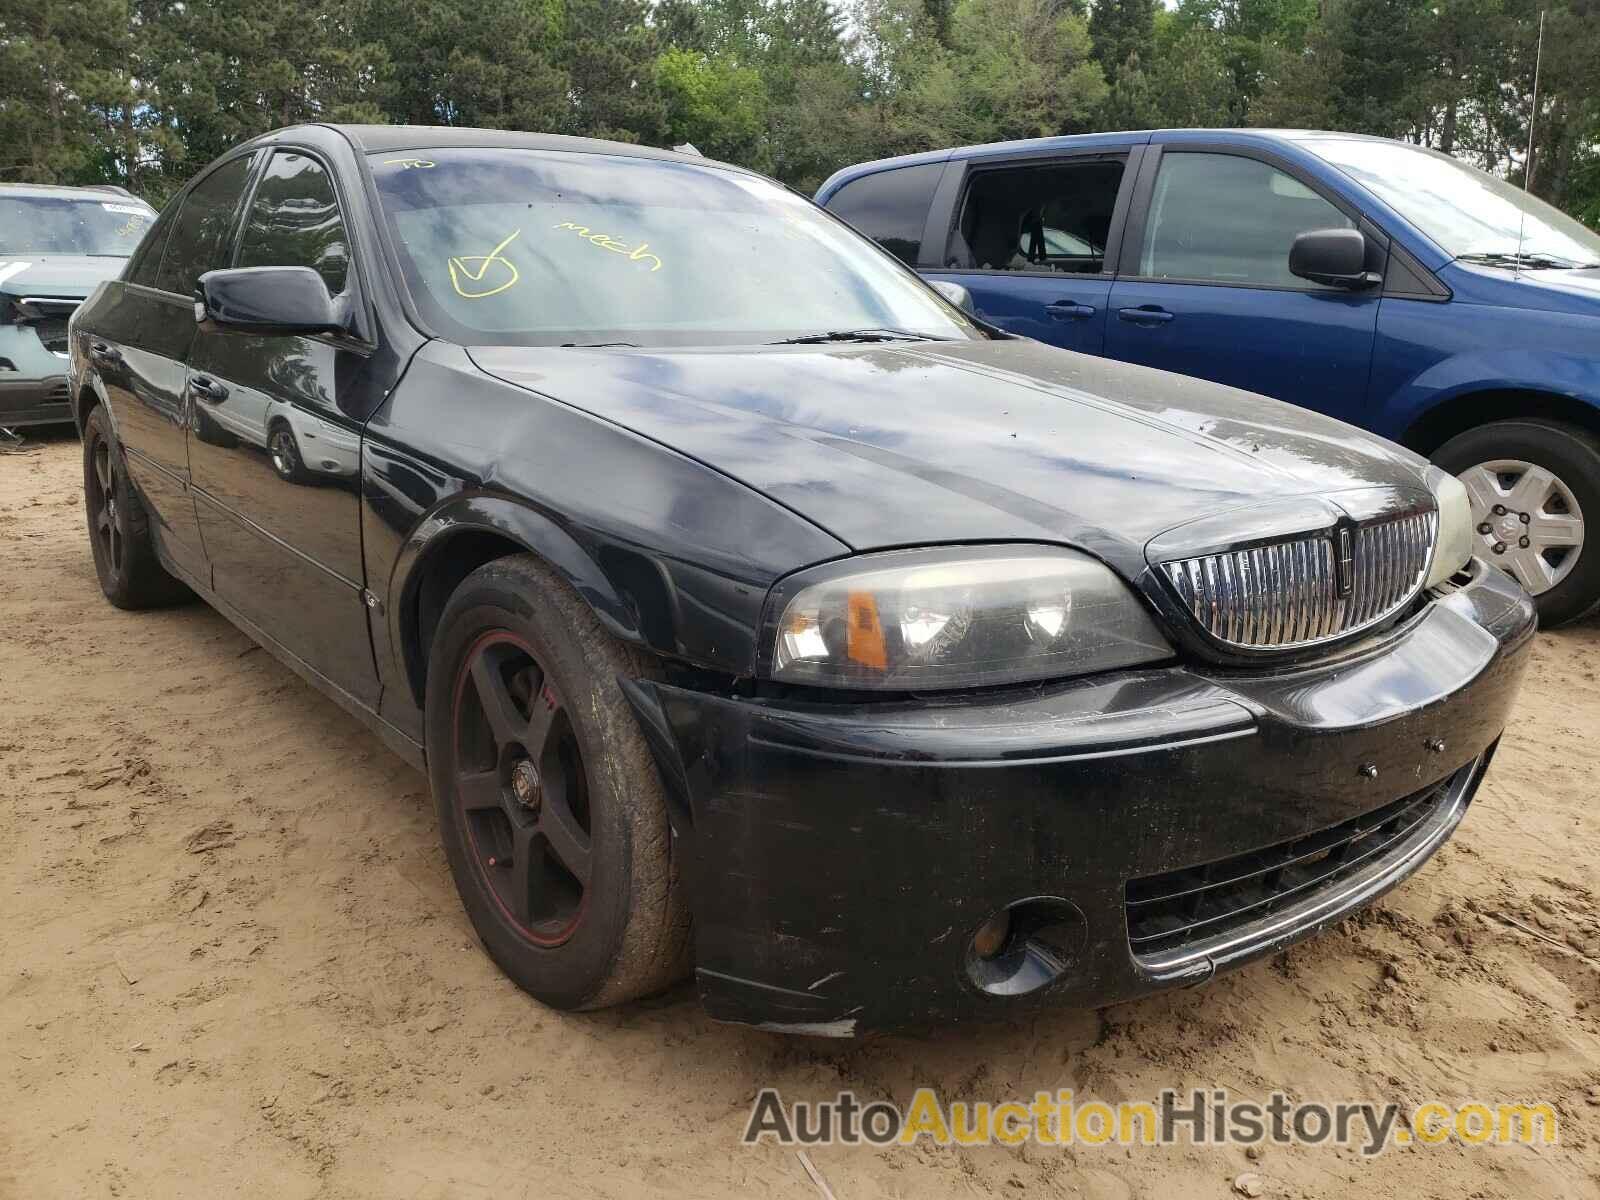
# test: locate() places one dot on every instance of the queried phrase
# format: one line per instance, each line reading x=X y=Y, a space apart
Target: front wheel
x=552 y=813
x=1532 y=484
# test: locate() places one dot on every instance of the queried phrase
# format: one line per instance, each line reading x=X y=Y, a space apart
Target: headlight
x=1455 y=526
x=915 y=620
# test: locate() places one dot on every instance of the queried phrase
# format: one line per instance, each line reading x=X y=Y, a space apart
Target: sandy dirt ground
x=232 y=964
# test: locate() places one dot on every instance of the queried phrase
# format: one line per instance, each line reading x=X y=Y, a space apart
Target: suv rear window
x=890 y=207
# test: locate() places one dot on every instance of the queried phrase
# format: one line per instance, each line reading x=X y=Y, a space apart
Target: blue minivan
x=1385 y=284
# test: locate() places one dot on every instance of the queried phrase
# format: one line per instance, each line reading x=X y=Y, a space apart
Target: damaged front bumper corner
x=1131 y=832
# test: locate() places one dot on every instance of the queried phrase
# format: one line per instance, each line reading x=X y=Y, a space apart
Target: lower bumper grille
x=1189 y=909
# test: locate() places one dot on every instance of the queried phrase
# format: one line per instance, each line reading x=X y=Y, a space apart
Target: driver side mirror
x=270 y=301
x=1336 y=257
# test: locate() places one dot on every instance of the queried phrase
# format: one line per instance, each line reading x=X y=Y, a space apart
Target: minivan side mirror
x=271 y=301
x=956 y=294
x=1336 y=257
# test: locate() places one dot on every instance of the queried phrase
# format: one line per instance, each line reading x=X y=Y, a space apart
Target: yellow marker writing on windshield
x=640 y=253
x=460 y=270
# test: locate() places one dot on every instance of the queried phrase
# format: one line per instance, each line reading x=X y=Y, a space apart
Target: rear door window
x=294 y=221
x=199 y=239
x=146 y=260
x=1053 y=218
x=890 y=207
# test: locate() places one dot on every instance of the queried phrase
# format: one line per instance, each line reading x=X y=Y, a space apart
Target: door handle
x=1148 y=314
x=1067 y=310
x=102 y=353
x=208 y=389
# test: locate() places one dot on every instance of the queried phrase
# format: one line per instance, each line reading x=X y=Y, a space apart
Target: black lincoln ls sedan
x=755 y=611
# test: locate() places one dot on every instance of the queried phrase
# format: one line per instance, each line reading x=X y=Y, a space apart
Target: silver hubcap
x=1529 y=523
x=280 y=454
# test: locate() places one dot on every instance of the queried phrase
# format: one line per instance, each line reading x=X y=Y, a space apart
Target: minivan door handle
x=1069 y=310
x=208 y=389
x=1146 y=314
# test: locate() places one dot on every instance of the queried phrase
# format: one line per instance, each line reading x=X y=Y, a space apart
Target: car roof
x=1080 y=141
x=385 y=139
x=45 y=190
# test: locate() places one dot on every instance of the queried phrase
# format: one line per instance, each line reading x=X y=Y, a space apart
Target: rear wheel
x=1532 y=484
x=119 y=528
x=552 y=813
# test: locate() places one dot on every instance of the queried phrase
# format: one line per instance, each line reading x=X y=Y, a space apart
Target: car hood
x=897 y=444
x=63 y=276
x=1582 y=285
x=1575 y=291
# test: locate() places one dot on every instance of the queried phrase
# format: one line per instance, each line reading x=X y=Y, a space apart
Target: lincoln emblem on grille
x=1345 y=570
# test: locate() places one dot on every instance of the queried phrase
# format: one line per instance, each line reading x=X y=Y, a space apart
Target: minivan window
x=1229 y=219
x=199 y=240
x=545 y=247
x=890 y=207
x=1468 y=212
x=1045 y=217
x=294 y=221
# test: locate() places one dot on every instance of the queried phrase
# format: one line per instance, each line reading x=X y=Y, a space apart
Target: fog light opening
x=1025 y=946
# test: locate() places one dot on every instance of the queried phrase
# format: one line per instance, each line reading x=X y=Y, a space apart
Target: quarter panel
x=146 y=337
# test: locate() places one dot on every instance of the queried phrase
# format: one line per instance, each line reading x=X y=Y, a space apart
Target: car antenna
x=1527 y=166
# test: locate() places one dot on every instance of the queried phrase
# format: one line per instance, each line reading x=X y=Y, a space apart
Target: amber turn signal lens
x=991 y=936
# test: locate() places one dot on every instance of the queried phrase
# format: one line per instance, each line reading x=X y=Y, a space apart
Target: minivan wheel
x=1532 y=484
x=125 y=560
x=552 y=813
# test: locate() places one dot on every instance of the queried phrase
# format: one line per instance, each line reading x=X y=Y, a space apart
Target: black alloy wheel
x=551 y=807
x=125 y=562
x=107 y=523
x=521 y=788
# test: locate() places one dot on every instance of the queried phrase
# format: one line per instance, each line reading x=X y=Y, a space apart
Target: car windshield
x=1468 y=212
x=104 y=227
x=535 y=247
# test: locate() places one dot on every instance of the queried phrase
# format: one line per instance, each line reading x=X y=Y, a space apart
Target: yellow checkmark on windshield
x=459 y=270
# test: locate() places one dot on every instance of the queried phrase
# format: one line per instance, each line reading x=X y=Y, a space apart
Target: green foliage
x=140 y=92
x=714 y=103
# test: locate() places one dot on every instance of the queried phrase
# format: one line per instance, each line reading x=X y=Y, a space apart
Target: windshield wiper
x=857 y=335
x=1536 y=260
x=597 y=345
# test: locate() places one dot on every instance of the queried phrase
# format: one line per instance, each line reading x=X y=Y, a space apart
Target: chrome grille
x=1289 y=593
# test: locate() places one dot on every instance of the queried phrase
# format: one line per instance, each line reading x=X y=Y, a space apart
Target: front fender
x=671 y=555
x=1426 y=362
x=466 y=513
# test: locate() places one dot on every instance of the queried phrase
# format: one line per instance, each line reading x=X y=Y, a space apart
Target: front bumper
x=839 y=858
x=33 y=380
